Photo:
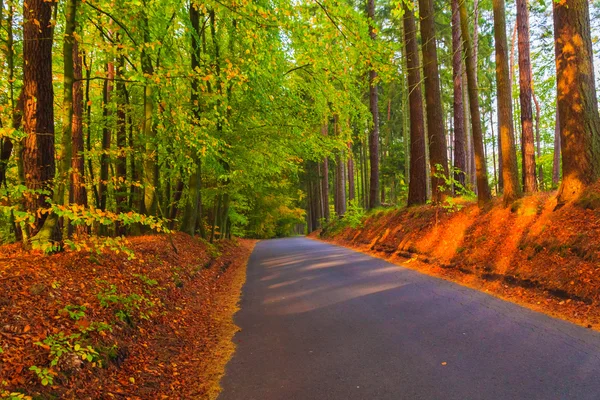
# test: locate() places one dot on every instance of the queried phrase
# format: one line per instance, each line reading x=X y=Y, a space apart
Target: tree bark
x=460 y=161
x=191 y=206
x=374 y=107
x=417 y=185
x=528 y=140
x=351 y=186
x=438 y=151
x=556 y=158
x=483 y=189
x=121 y=160
x=325 y=180
x=77 y=192
x=38 y=153
x=150 y=172
x=506 y=139
x=576 y=97
x=106 y=136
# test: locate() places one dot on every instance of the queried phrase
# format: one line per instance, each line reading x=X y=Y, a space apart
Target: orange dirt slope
x=159 y=325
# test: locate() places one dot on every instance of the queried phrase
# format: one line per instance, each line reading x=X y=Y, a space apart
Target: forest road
x=324 y=322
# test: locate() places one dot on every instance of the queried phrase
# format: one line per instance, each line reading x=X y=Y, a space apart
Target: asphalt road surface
x=324 y=322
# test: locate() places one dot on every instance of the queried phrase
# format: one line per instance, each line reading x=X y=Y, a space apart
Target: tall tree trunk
x=527 y=141
x=351 y=187
x=88 y=139
x=483 y=189
x=38 y=154
x=538 y=138
x=194 y=186
x=417 y=185
x=325 y=180
x=121 y=161
x=340 y=181
x=506 y=137
x=460 y=161
x=556 y=158
x=373 y=103
x=494 y=151
x=438 y=151
x=577 y=102
x=150 y=173
x=77 y=192
x=106 y=135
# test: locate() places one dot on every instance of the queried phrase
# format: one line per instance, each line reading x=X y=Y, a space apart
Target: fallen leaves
x=181 y=349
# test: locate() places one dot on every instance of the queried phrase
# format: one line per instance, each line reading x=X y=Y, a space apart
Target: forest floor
x=102 y=326
x=531 y=253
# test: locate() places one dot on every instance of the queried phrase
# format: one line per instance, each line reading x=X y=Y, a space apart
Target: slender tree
x=483 y=189
x=528 y=140
x=77 y=191
x=460 y=161
x=438 y=151
x=576 y=96
x=417 y=185
x=325 y=179
x=556 y=157
x=374 y=107
x=506 y=138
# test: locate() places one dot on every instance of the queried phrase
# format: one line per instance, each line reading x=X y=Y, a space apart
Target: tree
x=506 y=138
x=438 y=151
x=38 y=119
x=417 y=185
x=528 y=140
x=483 y=189
x=578 y=117
x=460 y=161
x=374 y=107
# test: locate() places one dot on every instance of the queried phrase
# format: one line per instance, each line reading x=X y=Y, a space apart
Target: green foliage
x=45 y=375
x=125 y=307
x=60 y=345
x=451 y=204
x=355 y=214
x=75 y=312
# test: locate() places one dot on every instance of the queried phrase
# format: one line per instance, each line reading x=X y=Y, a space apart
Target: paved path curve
x=324 y=322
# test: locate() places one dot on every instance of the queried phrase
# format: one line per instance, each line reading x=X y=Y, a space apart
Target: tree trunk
x=556 y=158
x=460 y=161
x=351 y=187
x=121 y=161
x=417 y=185
x=149 y=175
x=77 y=192
x=494 y=151
x=483 y=189
x=374 y=134
x=325 y=180
x=38 y=153
x=191 y=206
x=577 y=102
x=538 y=138
x=438 y=151
x=106 y=136
x=340 y=183
x=527 y=141
x=506 y=138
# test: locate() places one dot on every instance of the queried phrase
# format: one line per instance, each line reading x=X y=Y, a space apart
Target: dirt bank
x=108 y=326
